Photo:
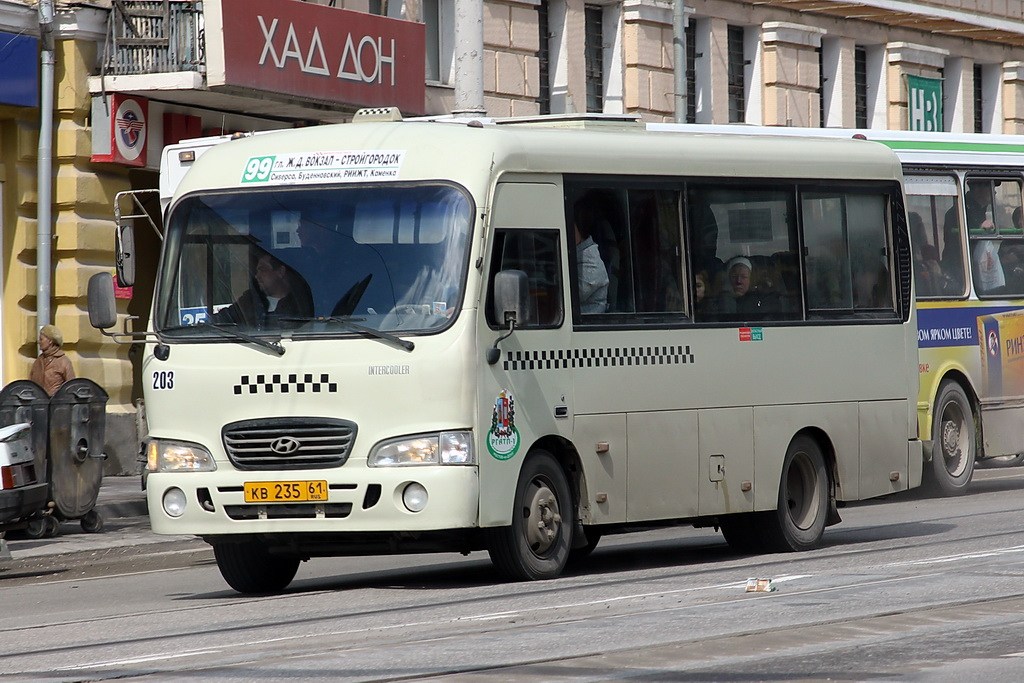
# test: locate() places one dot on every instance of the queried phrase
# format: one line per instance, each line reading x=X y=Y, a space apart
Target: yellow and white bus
x=964 y=202
x=964 y=199
x=410 y=336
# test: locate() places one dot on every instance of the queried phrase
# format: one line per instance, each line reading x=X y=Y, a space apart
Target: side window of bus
x=993 y=210
x=596 y=223
x=849 y=268
x=655 y=243
x=935 y=235
x=536 y=253
x=628 y=255
x=745 y=256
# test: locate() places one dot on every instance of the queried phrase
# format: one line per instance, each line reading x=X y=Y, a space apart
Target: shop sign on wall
x=924 y=103
x=317 y=52
x=120 y=129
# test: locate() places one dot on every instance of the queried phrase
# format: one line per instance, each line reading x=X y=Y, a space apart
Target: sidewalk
x=121 y=497
x=126 y=533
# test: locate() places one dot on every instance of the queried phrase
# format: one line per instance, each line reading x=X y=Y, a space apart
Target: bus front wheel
x=798 y=523
x=536 y=545
x=250 y=569
x=954 y=445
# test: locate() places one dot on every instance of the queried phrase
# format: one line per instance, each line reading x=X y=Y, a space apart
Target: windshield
x=315 y=261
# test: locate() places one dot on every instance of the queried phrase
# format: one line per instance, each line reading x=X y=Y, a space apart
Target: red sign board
x=121 y=130
x=324 y=53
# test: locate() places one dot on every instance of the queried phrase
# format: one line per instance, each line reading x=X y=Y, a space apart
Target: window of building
x=987 y=98
x=544 y=58
x=860 y=87
x=736 y=68
x=691 y=71
x=385 y=8
x=822 y=79
x=439 y=26
x=593 y=55
x=978 y=101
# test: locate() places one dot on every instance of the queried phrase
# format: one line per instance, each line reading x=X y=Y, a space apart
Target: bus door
x=527 y=394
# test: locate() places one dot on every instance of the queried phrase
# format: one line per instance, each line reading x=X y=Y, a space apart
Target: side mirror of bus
x=510 y=297
x=125 y=255
x=102 y=308
x=510 y=304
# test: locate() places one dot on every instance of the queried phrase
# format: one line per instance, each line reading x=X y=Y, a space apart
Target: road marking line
x=137 y=660
x=620 y=598
x=961 y=556
x=434 y=623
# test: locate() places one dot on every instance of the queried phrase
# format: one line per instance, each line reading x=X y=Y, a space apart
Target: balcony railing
x=154 y=36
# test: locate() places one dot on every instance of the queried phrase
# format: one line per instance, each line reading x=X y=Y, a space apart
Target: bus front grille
x=288 y=443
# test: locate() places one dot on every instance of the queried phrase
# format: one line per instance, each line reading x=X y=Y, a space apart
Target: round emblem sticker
x=503 y=437
x=131 y=130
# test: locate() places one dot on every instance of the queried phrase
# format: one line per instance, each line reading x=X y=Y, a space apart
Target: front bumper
x=360 y=499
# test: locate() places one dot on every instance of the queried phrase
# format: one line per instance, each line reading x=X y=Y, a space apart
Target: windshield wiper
x=272 y=344
x=350 y=323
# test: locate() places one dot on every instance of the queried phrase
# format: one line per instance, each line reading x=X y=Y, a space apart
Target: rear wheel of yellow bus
x=954 y=444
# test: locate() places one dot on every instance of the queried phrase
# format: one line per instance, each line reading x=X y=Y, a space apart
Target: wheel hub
x=544 y=521
x=950 y=437
x=953 y=448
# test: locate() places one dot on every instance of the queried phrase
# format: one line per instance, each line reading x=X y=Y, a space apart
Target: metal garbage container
x=77 y=424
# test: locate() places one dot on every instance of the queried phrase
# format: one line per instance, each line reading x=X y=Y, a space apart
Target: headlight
x=177 y=456
x=446 y=448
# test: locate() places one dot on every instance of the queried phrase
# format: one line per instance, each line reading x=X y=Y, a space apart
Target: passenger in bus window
x=870 y=284
x=1011 y=254
x=592 y=275
x=701 y=295
x=979 y=217
x=739 y=298
x=927 y=272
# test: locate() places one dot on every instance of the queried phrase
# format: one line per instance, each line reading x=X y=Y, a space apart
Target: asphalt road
x=910 y=588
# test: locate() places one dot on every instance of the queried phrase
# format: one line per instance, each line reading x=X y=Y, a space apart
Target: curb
x=119 y=509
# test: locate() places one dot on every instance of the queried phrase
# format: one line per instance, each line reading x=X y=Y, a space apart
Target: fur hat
x=53 y=334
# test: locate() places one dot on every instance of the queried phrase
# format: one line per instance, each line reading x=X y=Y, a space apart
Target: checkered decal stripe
x=598 y=358
x=286 y=384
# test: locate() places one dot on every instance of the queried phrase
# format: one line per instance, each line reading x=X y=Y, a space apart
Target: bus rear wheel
x=954 y=445
x=250 y=569
x=536 y=545
x=798 y=523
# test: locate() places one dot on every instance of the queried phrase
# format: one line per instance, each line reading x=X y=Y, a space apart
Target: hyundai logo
x=285 y=445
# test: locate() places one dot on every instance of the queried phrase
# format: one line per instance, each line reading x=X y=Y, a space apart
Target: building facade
x=134 y=76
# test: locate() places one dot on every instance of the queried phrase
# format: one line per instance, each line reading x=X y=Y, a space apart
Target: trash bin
x=77 y=424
